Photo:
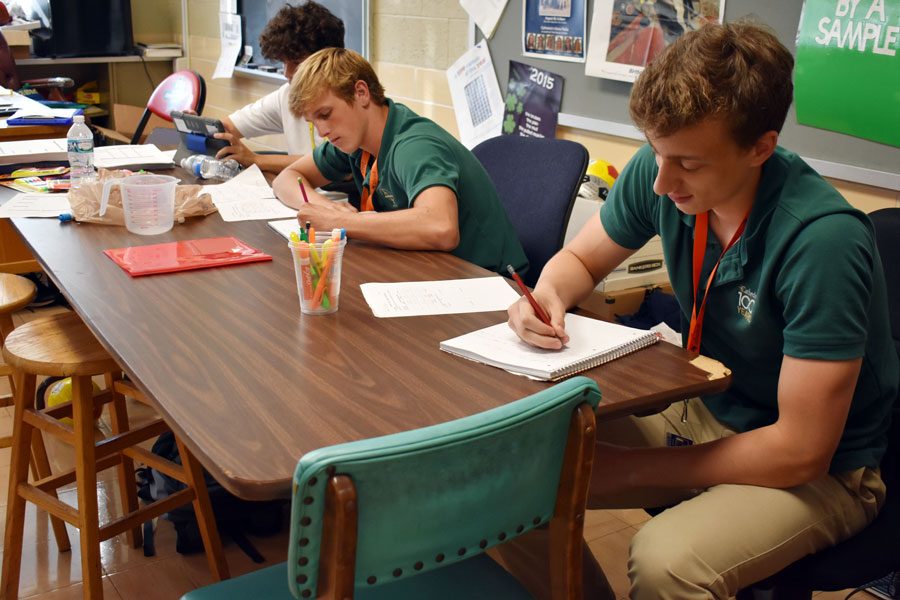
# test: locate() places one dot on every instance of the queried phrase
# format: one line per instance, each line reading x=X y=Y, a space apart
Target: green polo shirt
x=805 y=280
x=416 y=154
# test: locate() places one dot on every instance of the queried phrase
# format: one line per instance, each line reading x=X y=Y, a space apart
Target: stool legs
x=206 y=521
x=86 y=480
x=118 y=413
x=18 y=474
x=40 y=466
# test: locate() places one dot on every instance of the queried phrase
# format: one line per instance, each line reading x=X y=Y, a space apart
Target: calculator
x=196 y=135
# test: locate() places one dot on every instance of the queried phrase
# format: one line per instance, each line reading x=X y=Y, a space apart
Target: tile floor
x=127 y=574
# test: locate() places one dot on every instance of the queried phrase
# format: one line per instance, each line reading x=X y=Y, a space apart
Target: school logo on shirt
x=389 y=198
x=746 y=302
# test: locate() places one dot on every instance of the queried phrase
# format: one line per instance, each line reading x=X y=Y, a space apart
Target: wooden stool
x=63 y=346
x=15 y=294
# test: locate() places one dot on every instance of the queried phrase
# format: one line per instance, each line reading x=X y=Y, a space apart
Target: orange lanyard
x=368 y=191
x=701 y=230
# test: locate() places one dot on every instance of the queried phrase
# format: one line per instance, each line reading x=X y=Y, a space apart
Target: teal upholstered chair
x=410 y=515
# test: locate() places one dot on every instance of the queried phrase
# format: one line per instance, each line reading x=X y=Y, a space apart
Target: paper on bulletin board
x=533 y=99
x=230 y=37
x=477 y=101
x=626 y=36
x=554 y=29
x=485 y=13
x=847 y=73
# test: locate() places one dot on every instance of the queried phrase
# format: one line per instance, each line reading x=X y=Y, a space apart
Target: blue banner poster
x=554 y=29
x=847 y=76
x=533 y=98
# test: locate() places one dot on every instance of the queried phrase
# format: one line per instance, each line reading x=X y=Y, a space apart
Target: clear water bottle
x=80 y=145
x=207 y=167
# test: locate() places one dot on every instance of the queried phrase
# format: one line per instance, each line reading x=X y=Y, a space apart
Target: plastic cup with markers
x=317 y=267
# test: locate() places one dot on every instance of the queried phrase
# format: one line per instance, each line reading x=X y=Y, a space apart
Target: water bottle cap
x=78 y=119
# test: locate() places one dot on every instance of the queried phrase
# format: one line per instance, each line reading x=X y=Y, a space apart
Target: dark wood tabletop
x=251 y=384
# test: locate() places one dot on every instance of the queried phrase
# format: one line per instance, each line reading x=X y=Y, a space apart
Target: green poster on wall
x=847 y=75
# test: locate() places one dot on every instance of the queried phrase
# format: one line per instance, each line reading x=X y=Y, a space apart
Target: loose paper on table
x=35 y=205
x=248 y=197
x=417 y=298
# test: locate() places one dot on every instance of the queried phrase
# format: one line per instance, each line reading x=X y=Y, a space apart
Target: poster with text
x=477 y=102
x=554 y=29
x=533 y=98
x=627 y=34
x=847 y=74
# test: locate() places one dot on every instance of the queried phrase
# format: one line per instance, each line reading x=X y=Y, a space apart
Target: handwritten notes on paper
x=417 y=298
x=248 y=197
x=35 y=205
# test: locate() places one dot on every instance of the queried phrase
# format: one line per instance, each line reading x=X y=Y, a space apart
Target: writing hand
x=324 y=217
x=527 y=325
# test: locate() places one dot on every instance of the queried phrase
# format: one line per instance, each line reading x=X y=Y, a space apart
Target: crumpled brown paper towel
x=190 y=201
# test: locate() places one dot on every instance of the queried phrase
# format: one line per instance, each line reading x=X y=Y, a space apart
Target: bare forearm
x=763 y=457
x=274 y=163
x=566 y=276
x=402 y=229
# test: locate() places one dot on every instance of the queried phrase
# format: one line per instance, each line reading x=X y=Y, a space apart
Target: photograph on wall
x=554 y=29
x=532 y=102
x=627 y=34
x=847 y=72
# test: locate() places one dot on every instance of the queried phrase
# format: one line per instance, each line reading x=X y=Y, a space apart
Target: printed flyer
x=554 y=29
x=533 y=98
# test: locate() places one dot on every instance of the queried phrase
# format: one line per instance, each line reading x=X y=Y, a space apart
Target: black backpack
x=235 y=517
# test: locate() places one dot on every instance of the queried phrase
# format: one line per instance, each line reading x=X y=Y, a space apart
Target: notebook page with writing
x=591 y=343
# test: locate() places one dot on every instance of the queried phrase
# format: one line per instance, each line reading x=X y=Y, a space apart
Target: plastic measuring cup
x=148 y=202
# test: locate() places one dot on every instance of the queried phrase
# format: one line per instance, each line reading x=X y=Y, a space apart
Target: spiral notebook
x=591 y=343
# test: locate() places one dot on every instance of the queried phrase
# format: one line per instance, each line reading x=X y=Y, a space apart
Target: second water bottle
x=207 y=167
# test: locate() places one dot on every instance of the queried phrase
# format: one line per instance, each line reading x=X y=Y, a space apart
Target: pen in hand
x=303 y=190
x=538 y=309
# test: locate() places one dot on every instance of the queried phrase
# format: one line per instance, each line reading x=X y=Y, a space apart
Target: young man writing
x=780 y=280
x=293 y=34
x=420 y=188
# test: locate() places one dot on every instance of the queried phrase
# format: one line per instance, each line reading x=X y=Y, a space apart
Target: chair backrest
x=182 y=90
x=387 y=508
x=887 y=237
x=537 y=180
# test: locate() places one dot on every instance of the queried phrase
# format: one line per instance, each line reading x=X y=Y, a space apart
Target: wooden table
x=251 y=384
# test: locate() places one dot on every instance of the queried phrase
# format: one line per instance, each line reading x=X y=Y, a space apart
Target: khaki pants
x=716 y=541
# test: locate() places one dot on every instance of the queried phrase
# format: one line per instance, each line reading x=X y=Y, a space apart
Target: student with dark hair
x=780 y=280
x=292 y=35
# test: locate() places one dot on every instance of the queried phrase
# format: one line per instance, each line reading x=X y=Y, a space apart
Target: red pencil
x=538 y=309
x=303 y=189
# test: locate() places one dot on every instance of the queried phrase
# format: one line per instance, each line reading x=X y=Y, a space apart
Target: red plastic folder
x=184 y=255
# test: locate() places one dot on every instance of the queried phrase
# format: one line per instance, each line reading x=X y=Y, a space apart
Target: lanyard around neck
x=368 y=191
x=701 y=231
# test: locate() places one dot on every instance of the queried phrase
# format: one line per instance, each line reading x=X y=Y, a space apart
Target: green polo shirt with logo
x=416 y=154
x=804 y=280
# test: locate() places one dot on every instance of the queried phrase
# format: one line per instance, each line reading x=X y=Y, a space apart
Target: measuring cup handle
x=104 y=197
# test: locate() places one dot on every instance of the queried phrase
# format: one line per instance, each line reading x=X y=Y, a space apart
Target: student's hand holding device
x=527 y=324
x=235 y=149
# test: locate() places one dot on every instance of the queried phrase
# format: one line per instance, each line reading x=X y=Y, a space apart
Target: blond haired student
x=420 y=188
x=778 y=277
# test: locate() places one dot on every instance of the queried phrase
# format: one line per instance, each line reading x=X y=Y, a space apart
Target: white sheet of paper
x=36 y=205
x=230 y=37
x=26 y=150
x=111 y=157
x=476 y=96
x=485 y=13
x=248 y=197
x=284 y=227
x=454 y=296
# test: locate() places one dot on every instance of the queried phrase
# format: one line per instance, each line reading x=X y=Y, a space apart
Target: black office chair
x=537 y=180
x=875 y=551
